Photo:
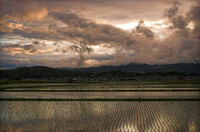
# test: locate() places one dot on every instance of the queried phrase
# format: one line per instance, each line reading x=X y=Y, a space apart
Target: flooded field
x=92 y=95
x=40 y=114
x=100 y=86
x=75 y=116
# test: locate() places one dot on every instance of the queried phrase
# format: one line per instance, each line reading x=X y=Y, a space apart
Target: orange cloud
x=35 y=14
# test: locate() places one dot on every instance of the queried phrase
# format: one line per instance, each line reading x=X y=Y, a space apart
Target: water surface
x=99 y=116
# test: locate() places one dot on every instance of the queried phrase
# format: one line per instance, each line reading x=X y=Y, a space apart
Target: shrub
x=70 y=80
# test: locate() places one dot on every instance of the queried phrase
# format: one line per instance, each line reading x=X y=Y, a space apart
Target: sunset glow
x=90 y=33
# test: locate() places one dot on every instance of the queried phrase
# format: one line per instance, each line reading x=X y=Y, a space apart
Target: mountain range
x=143 y=68
x=102 y=71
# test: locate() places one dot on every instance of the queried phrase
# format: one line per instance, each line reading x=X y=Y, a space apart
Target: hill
x=143 y=68
x=126 y=72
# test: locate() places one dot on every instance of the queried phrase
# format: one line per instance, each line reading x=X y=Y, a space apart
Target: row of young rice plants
x=138 y=116
x=94 y=86
x=95 y=116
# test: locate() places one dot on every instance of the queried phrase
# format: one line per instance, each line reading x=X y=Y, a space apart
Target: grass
x=181 y=82
x=107 y=90
x=133 y=82
x=101 y=99
x=165 y=84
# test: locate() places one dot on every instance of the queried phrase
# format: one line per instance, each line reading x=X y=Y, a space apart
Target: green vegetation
x=110 y=86
x=180 y=82
x=70 y=80
x=102 y=82
x=16 y=78
x=101 y=99
x=133 y=72
x=107 y=90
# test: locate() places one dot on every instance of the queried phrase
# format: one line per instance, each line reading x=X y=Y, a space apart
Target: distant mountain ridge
x=125 y=71
x=143 y=68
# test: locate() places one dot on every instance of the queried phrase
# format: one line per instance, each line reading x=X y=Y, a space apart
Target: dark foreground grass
x=180 y=82
x=109 y=90
x=106 y=84
x=101 y=99
x=86 y=82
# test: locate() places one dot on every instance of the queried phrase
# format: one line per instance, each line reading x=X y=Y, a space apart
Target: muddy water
x=99 y=116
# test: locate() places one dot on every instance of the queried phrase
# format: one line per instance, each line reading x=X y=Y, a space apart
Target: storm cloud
x=144 y=30
x=80 y=29
x=81 y=50
x=80 y=37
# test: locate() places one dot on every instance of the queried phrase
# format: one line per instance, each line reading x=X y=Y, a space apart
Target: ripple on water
x=99 y=116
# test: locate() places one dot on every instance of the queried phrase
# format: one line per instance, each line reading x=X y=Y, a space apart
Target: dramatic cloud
x=175 y=18
x=194 y=16
x=81 y=50
x=76 y=33
x=23 y=49
x=80 y=29
x=144 y=30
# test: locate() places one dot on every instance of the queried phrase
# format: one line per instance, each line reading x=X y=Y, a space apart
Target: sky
x=87 y=33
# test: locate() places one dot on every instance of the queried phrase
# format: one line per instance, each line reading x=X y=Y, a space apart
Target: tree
x=70 y=80
x=17 y=78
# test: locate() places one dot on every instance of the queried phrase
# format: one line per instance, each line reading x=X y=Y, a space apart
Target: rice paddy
x=100 y=116
x=25 y=107
x=102 y=95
